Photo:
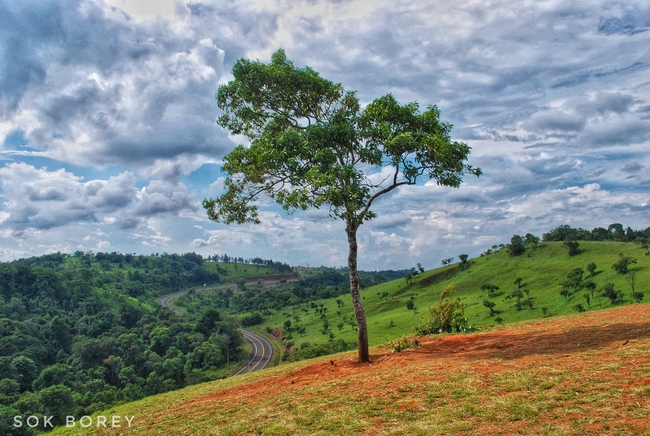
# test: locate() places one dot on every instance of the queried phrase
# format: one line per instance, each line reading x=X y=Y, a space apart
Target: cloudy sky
x=108 y=140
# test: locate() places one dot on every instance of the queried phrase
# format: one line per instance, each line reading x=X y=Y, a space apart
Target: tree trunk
x=362 y=328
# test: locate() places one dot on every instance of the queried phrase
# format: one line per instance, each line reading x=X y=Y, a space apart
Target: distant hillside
x=543 y=271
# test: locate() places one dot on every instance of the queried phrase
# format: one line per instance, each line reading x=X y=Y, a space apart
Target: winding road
x=262 y=353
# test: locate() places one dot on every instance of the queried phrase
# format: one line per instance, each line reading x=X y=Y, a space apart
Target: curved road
x=260 y=356
x=166 y=299
x=262 y=353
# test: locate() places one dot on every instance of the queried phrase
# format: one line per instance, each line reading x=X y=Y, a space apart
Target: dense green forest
x=81 y=332
x=613 y=232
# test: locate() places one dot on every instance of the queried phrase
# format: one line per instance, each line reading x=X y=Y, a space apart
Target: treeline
x=614 y=232
x=79 y=333
x=277 y=266
x=137 y=275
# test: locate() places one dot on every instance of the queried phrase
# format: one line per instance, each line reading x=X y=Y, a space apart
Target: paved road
x=165 y=301
x=260 y=356
x=262 y=353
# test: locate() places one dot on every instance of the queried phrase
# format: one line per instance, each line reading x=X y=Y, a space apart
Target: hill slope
x=542 y=270
x=577 y=374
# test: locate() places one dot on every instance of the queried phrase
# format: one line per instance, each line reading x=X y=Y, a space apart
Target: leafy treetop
x=312 y=144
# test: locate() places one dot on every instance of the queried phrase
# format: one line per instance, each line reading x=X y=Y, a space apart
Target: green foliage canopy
x=312 y=145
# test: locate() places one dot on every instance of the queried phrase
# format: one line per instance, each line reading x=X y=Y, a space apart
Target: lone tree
x=313 y=146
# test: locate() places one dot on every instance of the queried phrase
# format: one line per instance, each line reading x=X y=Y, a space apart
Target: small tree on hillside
x=623 y=264
x=591 y=287
x=529 y=299
x=518 y=295
x=631 y=281
x=447 y=261
x=591 y=268
x=490 y=305
x=610 y=292
x=574 y=279
x=516 y=246
x=532 y=239
x=312 y=146
x=464 y=264
x=490 y=288
x=572 y=246
x=565 y=292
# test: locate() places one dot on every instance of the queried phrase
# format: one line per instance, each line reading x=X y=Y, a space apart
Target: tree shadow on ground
x=510 y=345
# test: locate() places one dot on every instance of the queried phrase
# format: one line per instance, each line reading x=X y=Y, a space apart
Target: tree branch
x=380 y=193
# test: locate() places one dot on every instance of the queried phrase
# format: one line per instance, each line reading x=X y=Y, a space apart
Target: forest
x=81 y=332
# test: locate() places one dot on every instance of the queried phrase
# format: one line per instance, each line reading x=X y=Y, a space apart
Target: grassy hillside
x=583 y=374
x=236 y=271
x=542 y=270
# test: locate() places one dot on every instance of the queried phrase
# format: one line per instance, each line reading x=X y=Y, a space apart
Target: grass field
x=541 y=271
x=582 y=374
x=235 y=271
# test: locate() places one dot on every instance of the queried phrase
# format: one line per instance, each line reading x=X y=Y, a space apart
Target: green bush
x=448 y=316
x=250 y=320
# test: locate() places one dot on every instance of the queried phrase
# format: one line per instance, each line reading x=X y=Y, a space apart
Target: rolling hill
x=542 y=271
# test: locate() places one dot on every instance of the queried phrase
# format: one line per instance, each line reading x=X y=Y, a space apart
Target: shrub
x=250 y=320
x=447 y=316
x=490 y=288
x=611 y=293
x=572 y=246
x=309 y=351
x=404 y=343
x=623 y=264
x=591 y=268
x=579 y=308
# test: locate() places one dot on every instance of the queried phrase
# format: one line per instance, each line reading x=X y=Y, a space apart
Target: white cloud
x=553 y=97
x=40 y=199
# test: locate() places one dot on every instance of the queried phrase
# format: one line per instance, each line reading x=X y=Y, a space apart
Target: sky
x=109 y=141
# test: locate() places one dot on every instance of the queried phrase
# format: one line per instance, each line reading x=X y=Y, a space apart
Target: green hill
x=542 y=271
